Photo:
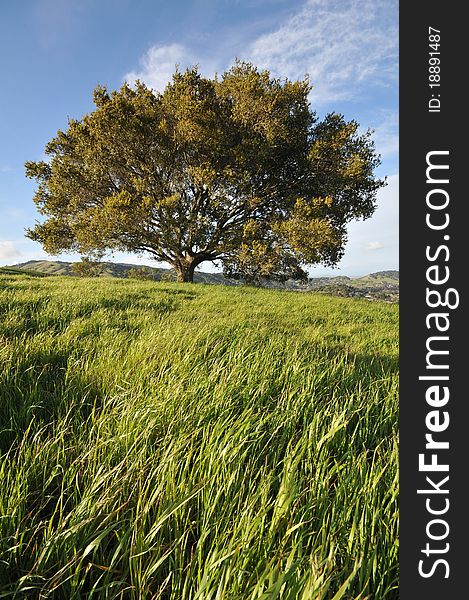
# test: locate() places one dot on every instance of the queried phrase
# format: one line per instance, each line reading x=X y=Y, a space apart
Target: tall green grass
x=181 y=441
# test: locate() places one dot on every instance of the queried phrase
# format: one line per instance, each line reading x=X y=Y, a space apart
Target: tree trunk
x=185 y=271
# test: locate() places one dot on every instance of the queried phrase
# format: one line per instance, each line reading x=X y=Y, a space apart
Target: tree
x=87 y=268
x=142 y=273
x=235 y=169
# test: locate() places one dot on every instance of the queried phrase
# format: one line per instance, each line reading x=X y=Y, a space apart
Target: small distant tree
x=168 y=275
x=235 y=169
x=87 y=268
x=142 y=273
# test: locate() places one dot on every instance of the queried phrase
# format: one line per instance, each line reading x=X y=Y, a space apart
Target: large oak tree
x=236 y=169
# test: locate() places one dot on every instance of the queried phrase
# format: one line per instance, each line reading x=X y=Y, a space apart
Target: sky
x=55 y=52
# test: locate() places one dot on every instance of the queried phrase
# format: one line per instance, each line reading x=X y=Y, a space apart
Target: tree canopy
x=235 y=169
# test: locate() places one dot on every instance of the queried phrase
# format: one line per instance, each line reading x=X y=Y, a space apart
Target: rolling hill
x=383 y=285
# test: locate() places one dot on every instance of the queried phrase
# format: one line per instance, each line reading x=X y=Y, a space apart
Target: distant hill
x=383 y=285
x=110 y=269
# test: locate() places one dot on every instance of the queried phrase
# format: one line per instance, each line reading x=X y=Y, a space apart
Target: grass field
x=182 y=441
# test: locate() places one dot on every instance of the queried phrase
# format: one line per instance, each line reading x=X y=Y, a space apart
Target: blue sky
x=54 y=52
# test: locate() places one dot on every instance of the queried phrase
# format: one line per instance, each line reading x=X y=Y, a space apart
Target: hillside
x=383 y=285
x=191 y=441
x=110 y=269
x=21 y=271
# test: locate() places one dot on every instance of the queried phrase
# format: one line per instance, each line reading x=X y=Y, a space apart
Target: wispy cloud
x=8 y=250
x=374 y=246
x=343 y=45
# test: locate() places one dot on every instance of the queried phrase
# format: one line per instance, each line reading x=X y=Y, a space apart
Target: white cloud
x=158 y=65
x=344 y=45
x=374 y=246
x=8 y=250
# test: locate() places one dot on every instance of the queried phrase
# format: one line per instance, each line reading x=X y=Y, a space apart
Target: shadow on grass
x=38 y=392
